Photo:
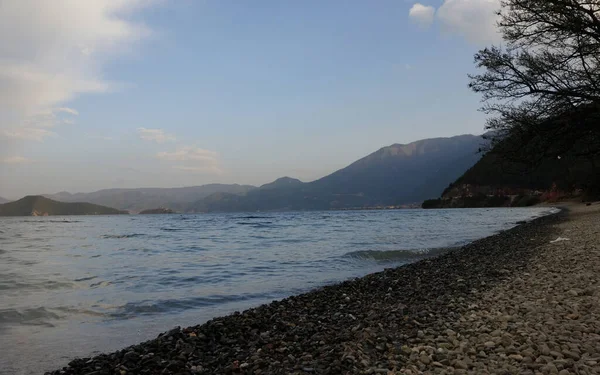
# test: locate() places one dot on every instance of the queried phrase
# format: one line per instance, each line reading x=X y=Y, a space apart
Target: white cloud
x=14 y=160
x=156 y=135
x=27 y=134
x=475 y=20
x=188 y=153
x=198 y=160
x=70 y=111
x=53 y=51
x=422 y=14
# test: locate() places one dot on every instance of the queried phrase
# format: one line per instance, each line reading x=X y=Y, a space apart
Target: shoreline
x=362 y=325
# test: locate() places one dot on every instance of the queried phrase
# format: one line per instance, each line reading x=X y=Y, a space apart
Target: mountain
x=408 y=173
x=37 y=205
x=394 y=175
x=283 y=182
x=3 y=200
x=136 y=200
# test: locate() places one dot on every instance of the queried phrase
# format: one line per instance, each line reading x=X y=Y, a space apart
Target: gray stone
x=424 y=358
x=461 y=365
x=572 y=355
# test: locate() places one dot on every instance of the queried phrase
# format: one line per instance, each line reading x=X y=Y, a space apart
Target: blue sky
x=118 y=93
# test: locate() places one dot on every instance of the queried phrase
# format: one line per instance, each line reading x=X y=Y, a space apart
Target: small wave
x=172 y=229
x=265 y=224
x=396 y=255
x=33 y=316
x=50 y=221
x=147 y=307
x=253 y=217
x=82 y=311
x=85 y=278
x=12 y=283
x=118 y=236
x=100 y=284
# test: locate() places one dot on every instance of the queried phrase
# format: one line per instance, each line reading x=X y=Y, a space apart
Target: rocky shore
x=513 y=303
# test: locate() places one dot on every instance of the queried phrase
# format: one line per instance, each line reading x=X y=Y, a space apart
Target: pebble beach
x=525 y=301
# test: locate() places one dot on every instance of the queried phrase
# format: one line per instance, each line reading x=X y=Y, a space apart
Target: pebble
x=460 y=365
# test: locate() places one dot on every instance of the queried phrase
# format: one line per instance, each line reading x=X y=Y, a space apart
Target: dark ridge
x=37 y=205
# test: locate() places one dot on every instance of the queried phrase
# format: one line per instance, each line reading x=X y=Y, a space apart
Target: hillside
x=394 y=175
x=136 y=200
x=36 y=205
x=559 y=159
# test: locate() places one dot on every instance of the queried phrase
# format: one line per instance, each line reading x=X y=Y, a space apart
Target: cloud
x=156 y=135
x=421 y=14
x=53 y=51
x=196 y=159
x=70 y=111
x=188 y=153
x=14 y=160
x=27 y=134
x=474 y=20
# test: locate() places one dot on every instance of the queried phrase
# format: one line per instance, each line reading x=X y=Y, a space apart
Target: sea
x=76 y=286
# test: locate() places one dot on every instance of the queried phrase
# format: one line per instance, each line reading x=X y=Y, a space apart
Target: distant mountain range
x=395 y=175
x=136 y=200
x=3 y=200
x=37 y=205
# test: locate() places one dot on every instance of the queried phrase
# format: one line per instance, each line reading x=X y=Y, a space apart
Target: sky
x=163 y=93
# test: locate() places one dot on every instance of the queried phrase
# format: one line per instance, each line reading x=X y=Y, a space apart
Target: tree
x=544 y=83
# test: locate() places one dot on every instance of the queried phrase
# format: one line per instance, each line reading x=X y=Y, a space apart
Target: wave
x=11 y=282
x=33 y=316
x=50 y=221
x=85 y=278
x=253 y=217
x=147 y=307
x=118 y=236
x=265 y=224
x=397 y=255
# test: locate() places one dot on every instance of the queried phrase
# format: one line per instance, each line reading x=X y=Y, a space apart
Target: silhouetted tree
x=542 y=87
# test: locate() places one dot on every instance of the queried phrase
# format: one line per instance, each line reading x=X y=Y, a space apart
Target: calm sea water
x=76 y=286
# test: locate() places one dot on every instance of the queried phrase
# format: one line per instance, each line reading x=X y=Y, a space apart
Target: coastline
x=365 y=325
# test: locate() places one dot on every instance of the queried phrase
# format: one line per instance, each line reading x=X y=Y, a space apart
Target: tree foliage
x=547 y=71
